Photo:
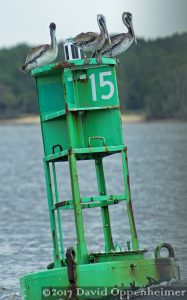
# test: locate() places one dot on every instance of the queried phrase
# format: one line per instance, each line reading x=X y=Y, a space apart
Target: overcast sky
x=28 y=20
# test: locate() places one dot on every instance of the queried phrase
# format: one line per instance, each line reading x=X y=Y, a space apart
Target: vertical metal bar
x=128 y=201
x=72 y=125
x=58 y=213
x=104 y=210
x=82 y=252
x=56 y=253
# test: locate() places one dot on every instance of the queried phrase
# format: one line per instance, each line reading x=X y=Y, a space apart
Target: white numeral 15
x=103 y=83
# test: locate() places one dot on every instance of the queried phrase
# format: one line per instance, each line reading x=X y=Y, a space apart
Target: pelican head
x=127 y=20
x=102 y=25
x=52 y=26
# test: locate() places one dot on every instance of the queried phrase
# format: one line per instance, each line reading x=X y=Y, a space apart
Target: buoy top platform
x=73 y=63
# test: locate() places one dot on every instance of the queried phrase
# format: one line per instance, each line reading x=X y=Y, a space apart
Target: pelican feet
x=99 y=60
x=86 y=61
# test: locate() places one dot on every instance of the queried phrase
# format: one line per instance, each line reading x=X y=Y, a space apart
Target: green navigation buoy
x=80 y=120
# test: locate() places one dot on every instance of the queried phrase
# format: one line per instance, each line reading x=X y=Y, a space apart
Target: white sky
x=28 y=21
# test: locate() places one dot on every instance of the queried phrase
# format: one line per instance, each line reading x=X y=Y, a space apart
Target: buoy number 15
x=102 y=82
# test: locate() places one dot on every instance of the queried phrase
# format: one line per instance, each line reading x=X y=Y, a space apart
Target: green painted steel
x=131 y=271
x=80 y=120
x=56 y=252
x=78 y=107
x=104 y=209
x=58 y=214
x=82 y=253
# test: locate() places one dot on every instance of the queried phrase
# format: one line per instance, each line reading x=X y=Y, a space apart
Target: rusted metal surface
x=62 y=203
x=63 y=64
x=71 y=267
x=167 y=269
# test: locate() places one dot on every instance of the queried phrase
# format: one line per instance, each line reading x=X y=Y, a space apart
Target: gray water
x=157 y=155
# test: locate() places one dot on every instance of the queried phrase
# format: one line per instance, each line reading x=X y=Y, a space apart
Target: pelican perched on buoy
x=43 y=54
x=92 y=41
x=122 y=41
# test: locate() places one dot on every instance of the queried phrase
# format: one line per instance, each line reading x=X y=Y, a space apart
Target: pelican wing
x=115 y=41
x=85 y=38
x=36 y=52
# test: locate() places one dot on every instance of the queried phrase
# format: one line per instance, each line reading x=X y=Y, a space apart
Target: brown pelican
x=43 y=54
x=91 y=41
x=120 y=42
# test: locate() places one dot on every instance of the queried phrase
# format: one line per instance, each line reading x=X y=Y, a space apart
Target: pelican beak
x=107 y=36
x=106 y=32
x=132 y=29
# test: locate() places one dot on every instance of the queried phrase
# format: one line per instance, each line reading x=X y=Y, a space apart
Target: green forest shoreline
x=152 y=80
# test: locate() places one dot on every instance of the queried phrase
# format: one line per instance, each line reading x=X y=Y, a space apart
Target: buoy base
x=127 y=271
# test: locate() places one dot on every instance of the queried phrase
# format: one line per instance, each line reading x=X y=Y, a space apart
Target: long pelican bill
x=103 y=22
x=107 y=36
x=132 y=29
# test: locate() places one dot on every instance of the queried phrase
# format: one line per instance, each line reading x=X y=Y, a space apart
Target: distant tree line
x=152 y=78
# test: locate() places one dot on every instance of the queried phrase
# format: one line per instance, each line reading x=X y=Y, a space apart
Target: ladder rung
x=90 y=202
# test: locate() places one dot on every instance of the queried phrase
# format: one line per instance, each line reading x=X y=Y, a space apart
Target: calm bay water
x=157 y=155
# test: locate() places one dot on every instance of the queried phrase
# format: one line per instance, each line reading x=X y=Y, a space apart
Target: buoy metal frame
x=80 y=119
